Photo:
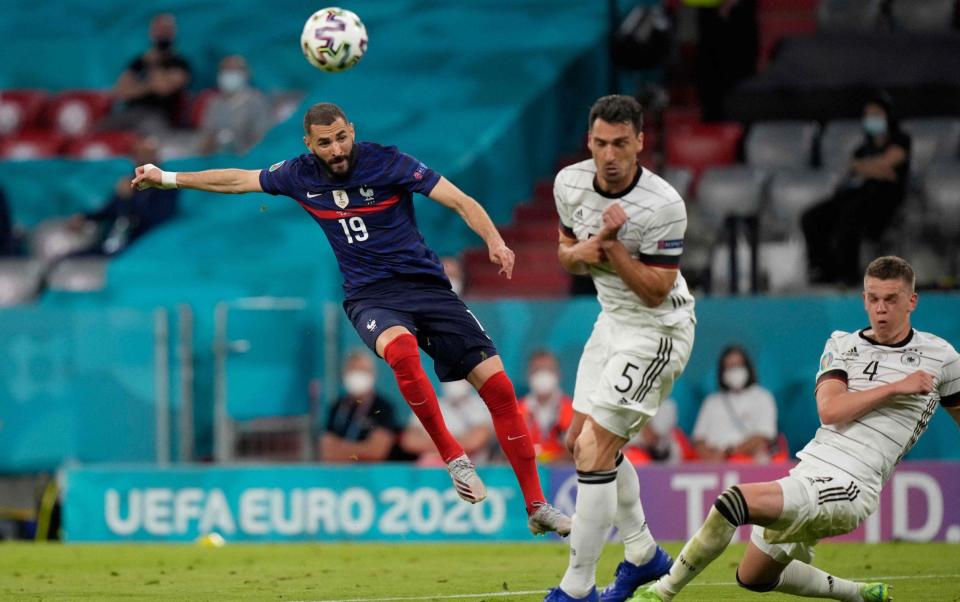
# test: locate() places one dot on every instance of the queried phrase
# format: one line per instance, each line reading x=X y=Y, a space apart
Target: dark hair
x=882 y=99
x=617 y=108
x=542 y=353
x=322 y=113
x=747 y=363
x=891 y=267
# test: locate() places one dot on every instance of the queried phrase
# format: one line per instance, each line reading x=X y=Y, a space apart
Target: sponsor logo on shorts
x=371 y=325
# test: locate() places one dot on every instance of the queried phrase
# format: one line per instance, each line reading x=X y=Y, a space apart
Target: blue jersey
x=368 y=215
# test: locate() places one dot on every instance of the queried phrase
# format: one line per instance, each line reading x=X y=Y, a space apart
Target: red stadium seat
x=20 y=110
x=199 y=106
x=33 y=144
x=704 y=145
x=75 y=112
x=102 y=145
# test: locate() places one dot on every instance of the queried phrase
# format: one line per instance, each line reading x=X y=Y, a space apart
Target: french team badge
x=341 y=198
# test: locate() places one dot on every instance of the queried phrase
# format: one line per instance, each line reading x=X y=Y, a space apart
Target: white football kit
x=635 y=352
x=837 y=483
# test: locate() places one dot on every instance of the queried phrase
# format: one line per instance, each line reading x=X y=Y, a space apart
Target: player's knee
x=753 y=585
x=497 y=392
x=733 y=506
x=401 y=348
x=570 y=440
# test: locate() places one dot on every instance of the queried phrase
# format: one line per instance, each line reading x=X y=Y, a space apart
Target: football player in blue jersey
x=396 y=293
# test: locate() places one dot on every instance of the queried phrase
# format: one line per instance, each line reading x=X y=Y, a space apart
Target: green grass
x=347 y=571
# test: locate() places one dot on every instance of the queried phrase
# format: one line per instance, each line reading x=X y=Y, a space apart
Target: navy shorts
x=445 y=329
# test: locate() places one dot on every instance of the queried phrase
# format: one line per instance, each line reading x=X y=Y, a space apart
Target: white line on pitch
x=543 y=591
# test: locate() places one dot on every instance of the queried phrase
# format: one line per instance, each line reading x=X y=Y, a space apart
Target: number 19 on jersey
x=354 y=229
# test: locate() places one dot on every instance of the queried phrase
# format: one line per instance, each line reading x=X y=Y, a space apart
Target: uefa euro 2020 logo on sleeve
x=825 y=360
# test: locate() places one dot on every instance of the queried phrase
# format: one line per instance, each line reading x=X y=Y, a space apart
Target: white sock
x=595 y=510
x=801 y=579
x=638 y=543
x=702 y=549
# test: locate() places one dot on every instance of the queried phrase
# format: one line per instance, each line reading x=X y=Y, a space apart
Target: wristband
x=168 y=179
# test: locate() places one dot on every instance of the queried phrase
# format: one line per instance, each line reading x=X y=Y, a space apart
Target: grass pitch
x=327 y=572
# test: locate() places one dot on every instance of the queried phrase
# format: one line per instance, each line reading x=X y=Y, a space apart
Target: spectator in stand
x=546 y=408
x=130 y=213
x=454 y=272
x=467 y=419
x=238 y=116
x=738 y=422
x=7 y=241
x=153 y=88
x=866 y=201
x=361 y=426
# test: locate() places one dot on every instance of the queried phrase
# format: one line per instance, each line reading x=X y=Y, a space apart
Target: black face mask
x=163 y=44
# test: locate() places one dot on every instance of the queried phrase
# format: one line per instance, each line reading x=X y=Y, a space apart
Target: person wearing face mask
x=238 y=115
x=739 y=421
x=546 y=408
x=361 y=426
x=464 y=414
x=153 y=88
x=866 y=201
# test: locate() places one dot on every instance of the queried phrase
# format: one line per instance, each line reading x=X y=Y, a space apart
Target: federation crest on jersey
x=367 y=193
x=910 y=358
x=341 y=198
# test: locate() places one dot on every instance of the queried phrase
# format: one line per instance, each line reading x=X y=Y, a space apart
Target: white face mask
x=543 y=382
x=457 y=390
x=231 y=80
x=358 y=382
x=736 y=378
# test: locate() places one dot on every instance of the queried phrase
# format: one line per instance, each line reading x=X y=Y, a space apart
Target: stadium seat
x=923 y=16
x=730 y=191
x=78 y=274
x=791 y=193
x=931 y=139
x=20 y=280
x=680 y=178
x=32 y=144
x=52 y=239
x=75 y=112
x=849 y=15
x=942 y=191
x=704 y=145
x=102 y=145
x=677 y=118
x=20 y=110
x=779 y=144
x=199 y=105
x=840 y=138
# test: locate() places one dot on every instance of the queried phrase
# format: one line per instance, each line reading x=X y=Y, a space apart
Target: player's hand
x=590 y=251
x=146 y=176
x=919 y=382
x=501 y=255
x=614 y=217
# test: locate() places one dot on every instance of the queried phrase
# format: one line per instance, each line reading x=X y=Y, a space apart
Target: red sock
x=513 y=435
x=404 y=357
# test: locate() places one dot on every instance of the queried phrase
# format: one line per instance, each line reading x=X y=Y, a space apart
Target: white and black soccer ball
x=333 y=39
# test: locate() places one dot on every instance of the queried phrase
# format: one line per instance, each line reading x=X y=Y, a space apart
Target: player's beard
x=350 y=159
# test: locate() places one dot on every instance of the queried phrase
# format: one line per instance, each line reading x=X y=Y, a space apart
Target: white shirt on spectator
x=728 y=418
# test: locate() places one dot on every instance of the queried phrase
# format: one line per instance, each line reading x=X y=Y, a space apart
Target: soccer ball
x=333 y=39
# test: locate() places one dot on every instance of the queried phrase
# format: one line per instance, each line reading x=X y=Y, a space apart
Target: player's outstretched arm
x=231 y=181
x=651 y=284
x=476 y=217
x=837 y=405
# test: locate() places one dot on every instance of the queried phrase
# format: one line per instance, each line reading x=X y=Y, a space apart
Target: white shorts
x=626 y=371
x=818 y=501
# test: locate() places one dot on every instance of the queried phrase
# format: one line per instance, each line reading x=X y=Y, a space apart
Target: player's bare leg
x=399 y=348
x=595 y=456
x=643 y=560
x=758 y=504
x=494 y=386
